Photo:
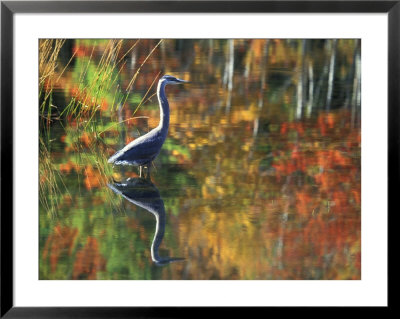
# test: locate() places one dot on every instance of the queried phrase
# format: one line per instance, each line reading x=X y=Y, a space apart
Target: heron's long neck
x=164 y=107
x=159 y=234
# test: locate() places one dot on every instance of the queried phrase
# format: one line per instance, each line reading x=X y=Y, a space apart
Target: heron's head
x=169 y=79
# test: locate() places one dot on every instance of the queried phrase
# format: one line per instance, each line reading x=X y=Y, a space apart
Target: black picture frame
x=9 y=8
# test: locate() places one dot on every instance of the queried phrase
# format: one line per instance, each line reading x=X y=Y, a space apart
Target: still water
x=259 y=177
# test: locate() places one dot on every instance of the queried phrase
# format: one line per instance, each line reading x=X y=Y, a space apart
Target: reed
x=97 y=81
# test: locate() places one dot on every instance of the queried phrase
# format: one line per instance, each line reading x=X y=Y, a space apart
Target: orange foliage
x=86 y=139
x=335 y=168
x=88 y=261
x=66 y=168
x=304 y=200
x=60 y=241
x=129 y=139
x=296 y=126
x=104 y=105
x=93 y=178
x=81 y=50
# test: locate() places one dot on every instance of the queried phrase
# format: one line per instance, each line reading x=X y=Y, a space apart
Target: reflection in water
x=144 y=194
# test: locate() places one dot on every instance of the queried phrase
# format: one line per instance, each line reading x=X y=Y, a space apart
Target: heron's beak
x=182 y=81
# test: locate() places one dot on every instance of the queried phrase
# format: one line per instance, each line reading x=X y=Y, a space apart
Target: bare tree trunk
x=163 y=52
x=321 y=82
x=229 y=73
x=210 y=51
x=356 y=97
x=310 y=88
x=133 y=59
x=264 y=64
x=350 y=79
x=247 y=66
x=300 y=80
x=331 y=75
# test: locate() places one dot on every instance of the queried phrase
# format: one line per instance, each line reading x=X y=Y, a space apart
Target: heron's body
x=144 y=150
x=141 y=151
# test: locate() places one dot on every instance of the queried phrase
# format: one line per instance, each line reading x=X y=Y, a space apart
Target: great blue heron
x=144 y=194
x=143 y=150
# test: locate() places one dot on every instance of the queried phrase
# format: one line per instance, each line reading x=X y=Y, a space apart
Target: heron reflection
x=144 y=194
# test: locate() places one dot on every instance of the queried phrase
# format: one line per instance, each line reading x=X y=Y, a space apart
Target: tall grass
x=96 y=80
x=51 y=184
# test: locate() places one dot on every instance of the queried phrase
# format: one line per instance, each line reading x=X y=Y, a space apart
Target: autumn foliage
x=253 y=191
x=88 y=261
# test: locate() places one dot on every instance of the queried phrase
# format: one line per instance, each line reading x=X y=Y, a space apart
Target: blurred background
x=259 y=178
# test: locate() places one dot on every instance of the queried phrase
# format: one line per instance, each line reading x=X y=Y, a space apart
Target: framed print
x=164 y=155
